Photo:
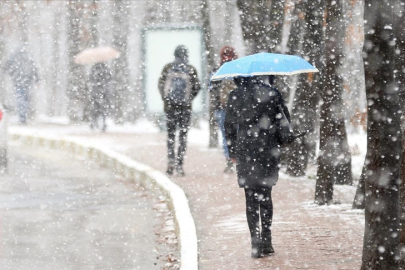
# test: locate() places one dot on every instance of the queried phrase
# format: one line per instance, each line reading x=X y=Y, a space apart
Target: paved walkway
x=305 y=236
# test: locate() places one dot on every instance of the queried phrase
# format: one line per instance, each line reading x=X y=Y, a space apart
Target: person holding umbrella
x=100 y=77
x=256 y=116
x=250 y=127
x=99 y=92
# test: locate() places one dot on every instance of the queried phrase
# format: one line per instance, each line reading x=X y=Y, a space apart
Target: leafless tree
x=276 y=22
x=384 y=151
x=76 y=88
x=306 y=39
x=2 y=50
x=205 y=14
x=400 y=74
x=229 y=22
x=262 y=24
x=334 y=160
x=56 y=76
x=120 y=65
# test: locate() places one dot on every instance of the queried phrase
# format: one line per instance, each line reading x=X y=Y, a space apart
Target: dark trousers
x=259 y=205
x=22 y=96
x=177 y=116
x=98 y=110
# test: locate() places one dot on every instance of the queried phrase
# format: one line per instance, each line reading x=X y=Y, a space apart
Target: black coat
x=250 y=128
x=22 y=69
x=100 y=80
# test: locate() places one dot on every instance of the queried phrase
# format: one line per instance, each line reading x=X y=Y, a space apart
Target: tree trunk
x=297 y=155
x=156 y=12
x=205 y=14
x=23 y=21
x=381 y=239
x=55 y=77
x=247 y=11
x=359 y=201
x=92 y=41
x=120 y=65
x=3 y=59
x=402 y=176
x=76 y=89
x=262 y=24
x=334 y=161
x=297 y=30
x=276 y=25
x=93 y=23
x=229 y=22
x=255 y=20
x=400 y=60
x=306 y=100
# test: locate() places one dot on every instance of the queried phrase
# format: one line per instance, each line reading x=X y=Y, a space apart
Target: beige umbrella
x=96 y=55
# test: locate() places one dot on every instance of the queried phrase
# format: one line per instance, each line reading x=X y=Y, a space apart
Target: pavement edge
x=151 y=179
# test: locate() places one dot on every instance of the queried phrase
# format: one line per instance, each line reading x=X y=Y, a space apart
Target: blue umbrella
x=264 y=64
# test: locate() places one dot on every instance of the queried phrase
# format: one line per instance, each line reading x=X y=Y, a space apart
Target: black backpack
x=178 y=86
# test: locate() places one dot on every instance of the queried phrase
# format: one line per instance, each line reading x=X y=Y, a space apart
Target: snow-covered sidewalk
x=305 y=236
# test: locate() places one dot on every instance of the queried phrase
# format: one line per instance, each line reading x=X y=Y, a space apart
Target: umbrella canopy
x=96 y=55
x=264 y=64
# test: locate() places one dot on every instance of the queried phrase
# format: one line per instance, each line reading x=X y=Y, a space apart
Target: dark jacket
x=250 y=128
x=22 y=69
x=100 y=83
x=195 y=83
x=220 y=92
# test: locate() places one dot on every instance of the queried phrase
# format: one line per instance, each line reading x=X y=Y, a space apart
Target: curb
x=151 y=179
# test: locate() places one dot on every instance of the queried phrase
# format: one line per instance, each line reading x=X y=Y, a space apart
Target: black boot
x=267 y=247
x=180 y=171
x=170 y=169
x=256 y=247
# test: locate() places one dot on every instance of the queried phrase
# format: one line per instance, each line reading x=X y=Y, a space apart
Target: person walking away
x=250 y=130
x=178 y=86
x=100 y=78
x=221 y=90
x=24 y=74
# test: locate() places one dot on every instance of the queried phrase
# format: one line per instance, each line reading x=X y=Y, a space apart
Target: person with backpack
x=178 y=85
x=254 y=136
x=221 y=90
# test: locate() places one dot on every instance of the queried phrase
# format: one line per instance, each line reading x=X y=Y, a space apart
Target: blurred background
x=55 y=31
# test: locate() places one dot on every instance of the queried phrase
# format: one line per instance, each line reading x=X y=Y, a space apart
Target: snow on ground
x=198 y=135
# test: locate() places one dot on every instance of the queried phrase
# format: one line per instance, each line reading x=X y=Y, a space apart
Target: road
x=57 y=212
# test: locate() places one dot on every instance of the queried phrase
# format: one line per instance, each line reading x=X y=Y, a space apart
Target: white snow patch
x=200 y=135
x=234 y=223
x=358 y=146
